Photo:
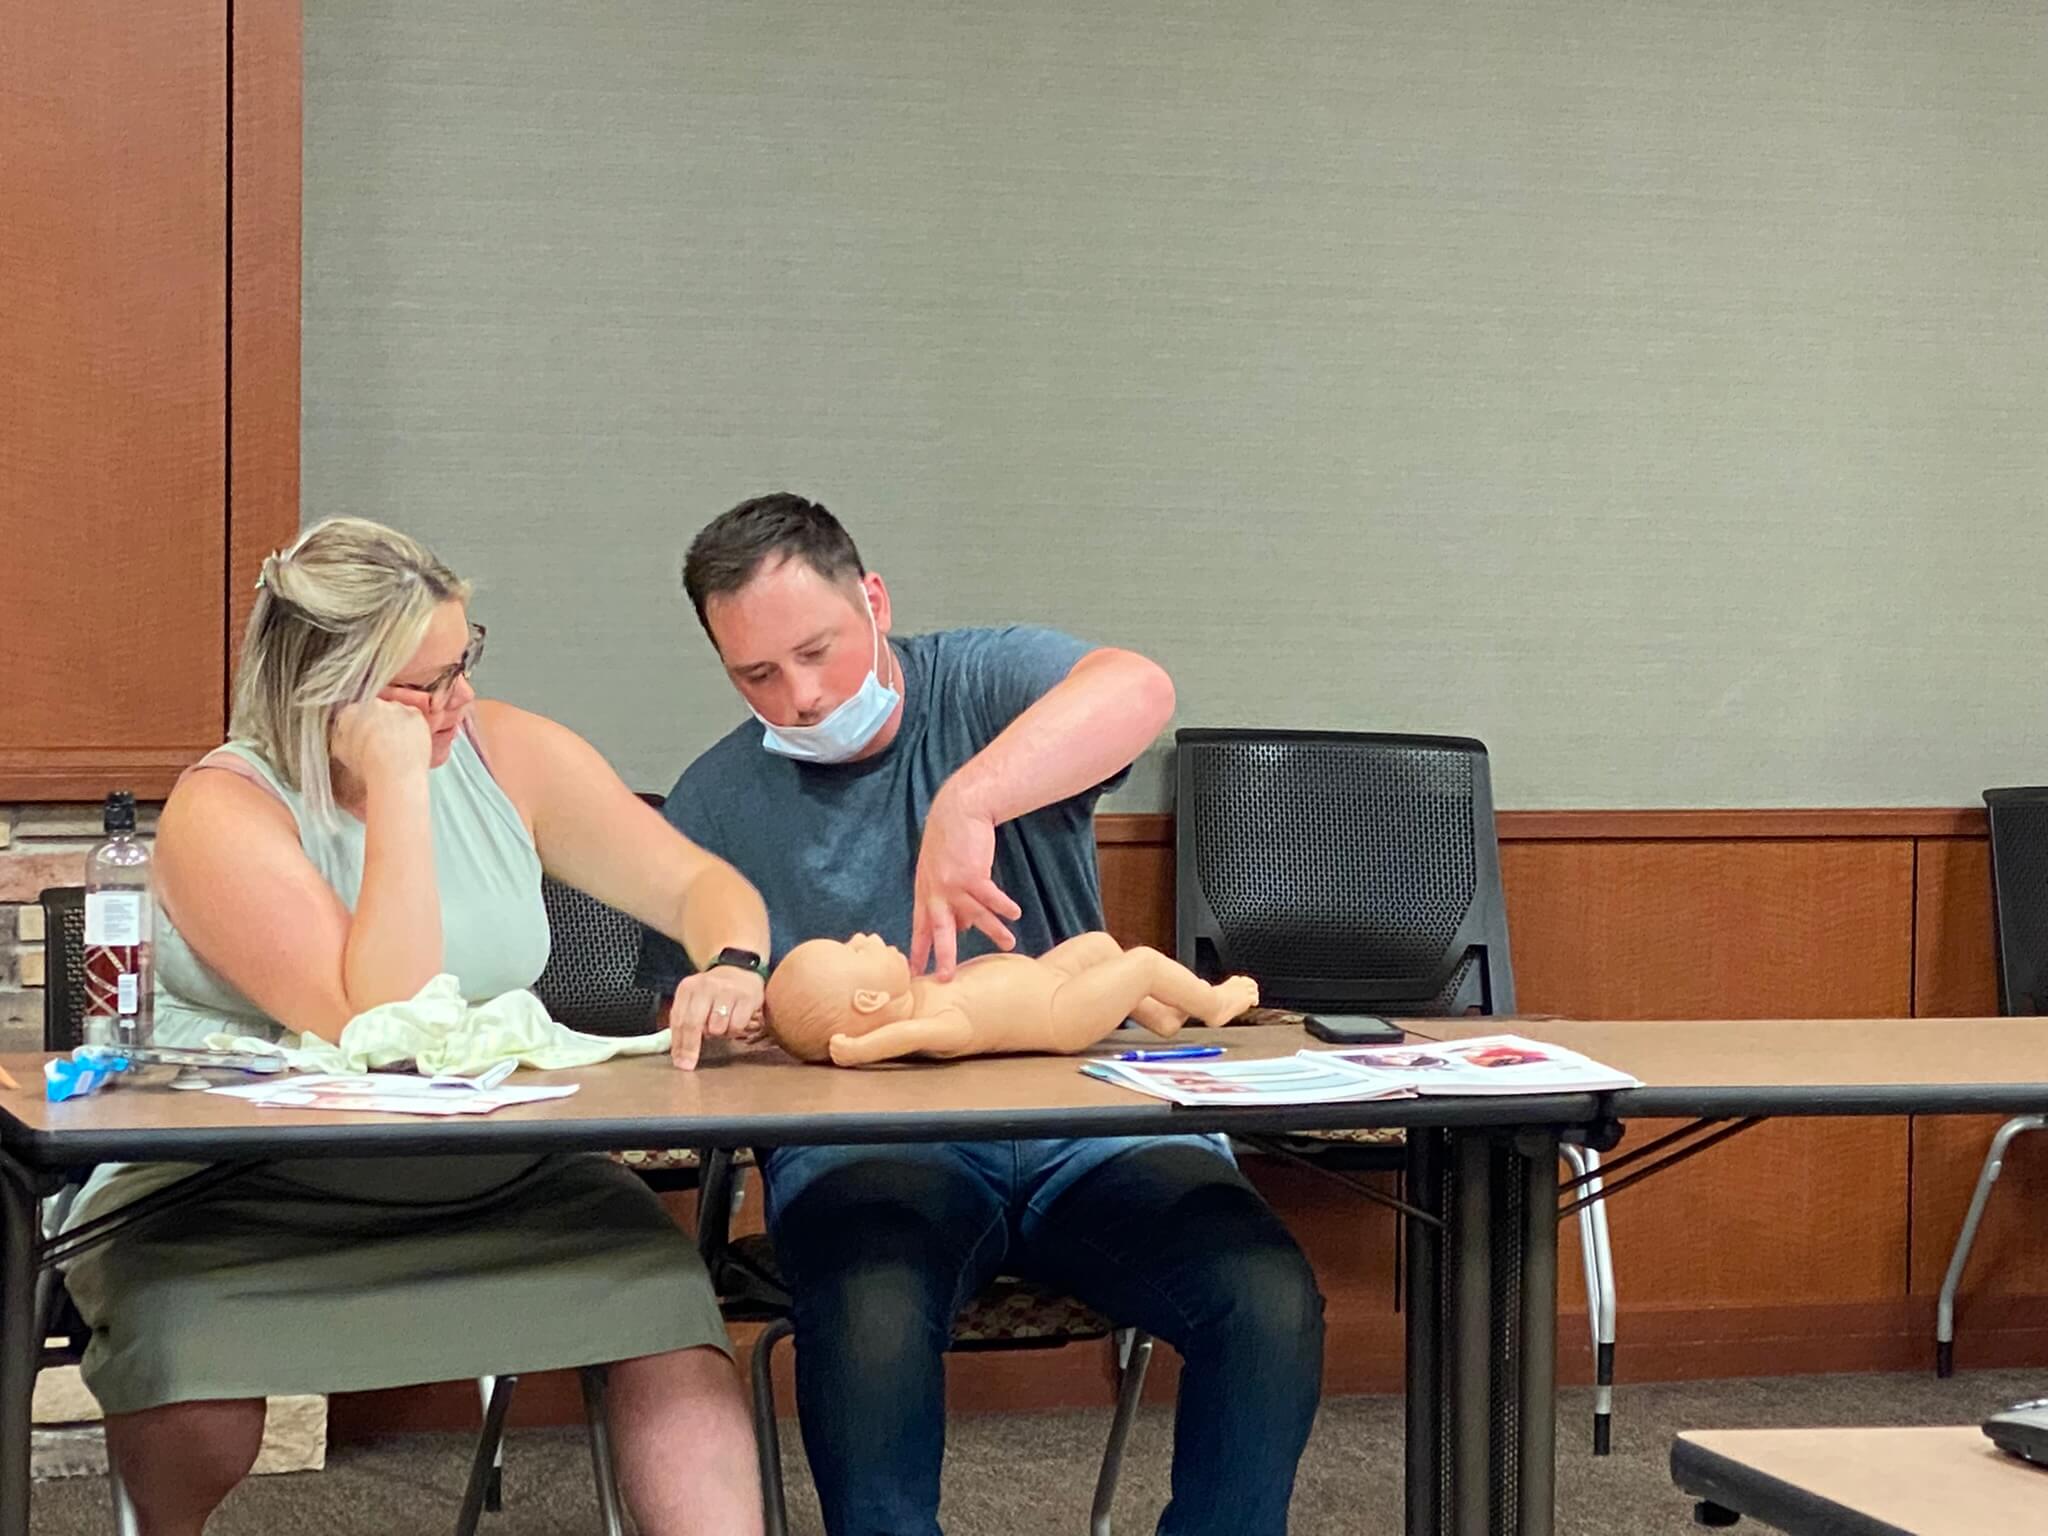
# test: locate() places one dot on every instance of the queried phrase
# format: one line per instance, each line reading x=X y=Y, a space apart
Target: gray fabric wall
x=1654 y=390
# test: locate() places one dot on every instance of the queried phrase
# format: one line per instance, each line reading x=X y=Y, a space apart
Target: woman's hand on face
x=377 y=740
x=724 y=1001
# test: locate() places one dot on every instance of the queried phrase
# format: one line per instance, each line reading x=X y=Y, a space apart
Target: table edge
x=536 y=1133
x=1721 y=1479
x=1729 y=1102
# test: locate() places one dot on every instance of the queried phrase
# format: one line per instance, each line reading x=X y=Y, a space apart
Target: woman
x=371 y=824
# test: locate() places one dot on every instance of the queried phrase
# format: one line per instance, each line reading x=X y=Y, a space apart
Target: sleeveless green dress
x=352 y=1274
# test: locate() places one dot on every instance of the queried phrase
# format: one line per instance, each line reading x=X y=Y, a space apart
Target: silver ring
x=725 y=1007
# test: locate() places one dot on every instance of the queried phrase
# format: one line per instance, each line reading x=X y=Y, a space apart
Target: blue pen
x=1176 y=1053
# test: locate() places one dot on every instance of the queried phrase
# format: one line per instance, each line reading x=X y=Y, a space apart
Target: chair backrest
x=2019 y=896
x=63 y=967
x=593 y=952
x=1342 y=870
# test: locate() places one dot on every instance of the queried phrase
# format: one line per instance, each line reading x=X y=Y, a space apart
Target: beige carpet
x=1031 y=1475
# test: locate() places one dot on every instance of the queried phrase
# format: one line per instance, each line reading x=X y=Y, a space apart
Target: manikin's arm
x=947 y=1033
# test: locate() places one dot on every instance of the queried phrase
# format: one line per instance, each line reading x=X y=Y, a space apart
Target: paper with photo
x=1302 y=1079
x=367 y=1093
x=1484 y=1064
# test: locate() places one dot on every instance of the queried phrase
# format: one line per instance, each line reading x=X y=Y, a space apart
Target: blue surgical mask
x=843 y=734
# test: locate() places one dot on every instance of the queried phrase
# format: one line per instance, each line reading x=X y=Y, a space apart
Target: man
x=941 y=790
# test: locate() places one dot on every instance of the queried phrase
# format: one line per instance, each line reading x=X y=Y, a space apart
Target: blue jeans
x=882 y=1246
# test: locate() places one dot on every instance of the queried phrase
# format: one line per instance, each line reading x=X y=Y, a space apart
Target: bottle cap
x=120 y=812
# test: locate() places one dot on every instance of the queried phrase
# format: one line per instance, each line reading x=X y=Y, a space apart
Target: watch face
x=745 y=959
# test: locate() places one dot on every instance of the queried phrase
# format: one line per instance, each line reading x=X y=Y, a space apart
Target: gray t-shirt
x=833 y=847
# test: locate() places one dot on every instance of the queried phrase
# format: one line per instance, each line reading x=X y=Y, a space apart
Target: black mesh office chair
x=63 y=1332
x=593 y=950
x=63 y=1029
x=63 y=967
x=2019 y=910
x=1357 y=873
x=589 y=984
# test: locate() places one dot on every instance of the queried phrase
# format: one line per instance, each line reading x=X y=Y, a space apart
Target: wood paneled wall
x=1804 y=1245
x=2000 y=1311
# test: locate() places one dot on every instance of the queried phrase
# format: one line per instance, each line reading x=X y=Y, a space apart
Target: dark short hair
x=731 y=549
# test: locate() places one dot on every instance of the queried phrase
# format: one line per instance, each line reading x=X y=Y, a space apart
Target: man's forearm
x=1092 y=725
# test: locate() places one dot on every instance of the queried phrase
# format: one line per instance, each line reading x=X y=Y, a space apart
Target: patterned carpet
x=1030 y=1475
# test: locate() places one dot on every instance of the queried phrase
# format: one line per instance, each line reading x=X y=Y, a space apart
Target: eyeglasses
x=437 y=686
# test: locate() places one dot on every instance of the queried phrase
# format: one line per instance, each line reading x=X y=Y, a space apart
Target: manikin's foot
x=1234 y=994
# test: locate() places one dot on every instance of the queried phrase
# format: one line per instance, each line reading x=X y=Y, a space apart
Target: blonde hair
x=338 y=613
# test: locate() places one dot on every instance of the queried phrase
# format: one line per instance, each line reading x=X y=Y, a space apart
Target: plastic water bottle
x=120 y=932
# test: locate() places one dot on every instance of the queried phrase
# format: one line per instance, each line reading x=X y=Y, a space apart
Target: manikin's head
x=826 y=987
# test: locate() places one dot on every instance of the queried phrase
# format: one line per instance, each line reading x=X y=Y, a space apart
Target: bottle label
x=130 y=992
x=113 y=917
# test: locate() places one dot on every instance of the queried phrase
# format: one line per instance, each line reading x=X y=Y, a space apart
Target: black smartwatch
x=743 y=959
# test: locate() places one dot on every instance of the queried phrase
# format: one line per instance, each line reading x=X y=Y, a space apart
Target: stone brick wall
x=40 y=845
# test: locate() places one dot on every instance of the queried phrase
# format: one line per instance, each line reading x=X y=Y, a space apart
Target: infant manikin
x=855 y=1002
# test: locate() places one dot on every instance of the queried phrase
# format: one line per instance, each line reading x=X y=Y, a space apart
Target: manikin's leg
x=1160 y=1018
x=1089 y=950
x=1096 y=1001
x=1081 y=953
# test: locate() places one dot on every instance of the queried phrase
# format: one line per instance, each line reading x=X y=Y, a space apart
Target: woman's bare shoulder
x=502 y=730
x=225 y=778
x=221 y=797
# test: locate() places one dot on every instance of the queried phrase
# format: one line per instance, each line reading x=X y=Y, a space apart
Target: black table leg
x=1424 y=1481
x=20 y=1231
x=1536 y=1391
x=1470 y=1354
x=1482 y=1335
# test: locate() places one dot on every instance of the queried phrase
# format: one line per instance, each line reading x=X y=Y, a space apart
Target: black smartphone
x=1354 y=1030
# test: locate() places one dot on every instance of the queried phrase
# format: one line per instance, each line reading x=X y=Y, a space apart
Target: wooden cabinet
x=148 y=374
